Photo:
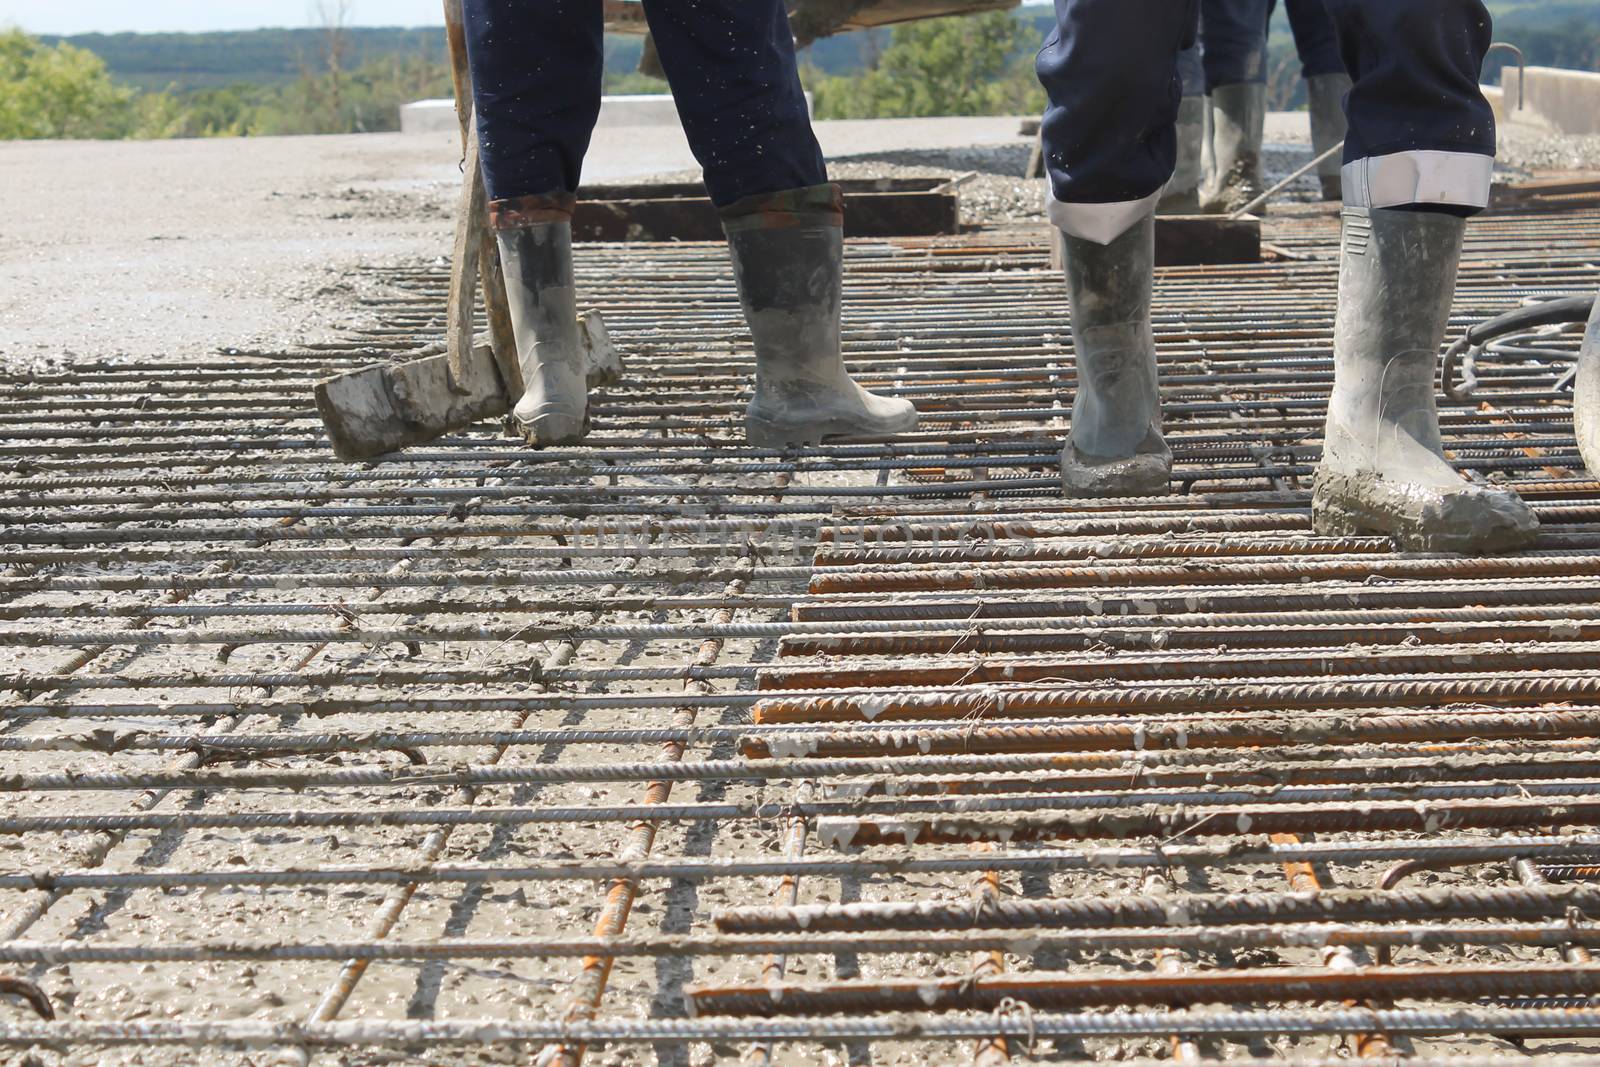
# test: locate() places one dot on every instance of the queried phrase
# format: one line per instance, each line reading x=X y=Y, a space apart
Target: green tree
x=58 y=91
x=977 y=65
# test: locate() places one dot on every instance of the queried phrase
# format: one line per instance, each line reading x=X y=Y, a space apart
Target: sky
x=195 y=16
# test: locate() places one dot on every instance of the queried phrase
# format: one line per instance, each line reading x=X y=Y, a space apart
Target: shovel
x=375 y=410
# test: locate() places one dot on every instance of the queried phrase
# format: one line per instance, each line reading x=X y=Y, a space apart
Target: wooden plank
x=1192 y=240
x=627 y=16
x=697 y=190
x=889 y=12
x=684 y=213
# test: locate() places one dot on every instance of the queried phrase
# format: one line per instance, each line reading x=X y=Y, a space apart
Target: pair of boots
x=1383 y=466
x=788 y=255
x=1220 y=139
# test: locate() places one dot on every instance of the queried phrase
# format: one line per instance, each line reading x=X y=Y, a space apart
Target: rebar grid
x=381 y=755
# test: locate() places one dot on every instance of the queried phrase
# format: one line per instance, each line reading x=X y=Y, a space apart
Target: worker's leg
x=536 y=72
x=1110 y=70
x=1182 y=194
x=731 y=64
x=736 y=82
x=536 y=84
x=1326 y=85
x=1315 y=40
x=1233 y=44
x=1418 y=161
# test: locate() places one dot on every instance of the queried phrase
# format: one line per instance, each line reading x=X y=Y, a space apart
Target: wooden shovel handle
x=455 y=32
x=475 y=261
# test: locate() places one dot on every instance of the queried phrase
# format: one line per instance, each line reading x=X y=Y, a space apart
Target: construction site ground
x=883 y=752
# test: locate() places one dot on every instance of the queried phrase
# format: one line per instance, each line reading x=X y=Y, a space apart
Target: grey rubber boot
x=1182 y=194
x=1114 y=447
x=790 y=284
x=1383 y=466
x=1238 y=124
x=1328 y=128
x=537 y=260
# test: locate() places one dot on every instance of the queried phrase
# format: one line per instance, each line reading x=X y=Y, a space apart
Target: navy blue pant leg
x=536 y=70
x=1191 y=63
x=1233 y=42
x=1315 y=39
x=1110 y=71
x=734 y=76
x=1192 y=71
x=1421 y=132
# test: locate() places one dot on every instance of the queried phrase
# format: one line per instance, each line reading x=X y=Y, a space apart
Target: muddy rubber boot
x=1238 y=124
x=1182 y=194
x=554 y=409
x=1114 y=447
x=1383 y=467
x=1328 y=128
x=788 y=262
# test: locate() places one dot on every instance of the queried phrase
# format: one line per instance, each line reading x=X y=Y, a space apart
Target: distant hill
x=1542 y=13
x=1561 y=32
x=259 y=57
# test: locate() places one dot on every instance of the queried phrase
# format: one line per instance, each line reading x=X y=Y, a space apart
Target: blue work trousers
x=536 y=76
x=1228 y=53
x=1421 y=133
x=1315 y=38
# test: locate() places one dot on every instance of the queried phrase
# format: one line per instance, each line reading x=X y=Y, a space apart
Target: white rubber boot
x=1328 y=128
x=1238 y=124
x=1114 y=447
x=1182 y=194
x=537 y=259
x=1383 y=466
x=789 y=268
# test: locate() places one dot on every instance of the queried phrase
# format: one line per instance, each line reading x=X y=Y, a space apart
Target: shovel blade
x=382 y=409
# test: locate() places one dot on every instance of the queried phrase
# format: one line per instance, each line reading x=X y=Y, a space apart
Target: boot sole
x=1146 y=474
x=766 y=433
x=1334 y=514
x=543 y=431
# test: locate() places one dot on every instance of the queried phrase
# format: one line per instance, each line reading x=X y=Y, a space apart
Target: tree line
x=337 y=80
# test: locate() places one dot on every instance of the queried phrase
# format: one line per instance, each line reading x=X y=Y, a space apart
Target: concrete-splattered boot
x=1328 y=128
x=1182 y=194
x=1115 y=447
x=1237 y=127
x=788 y=261
x=535 y=238
x=1383 y=466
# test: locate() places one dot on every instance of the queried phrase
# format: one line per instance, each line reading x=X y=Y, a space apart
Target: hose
x=1586 y=391
x=1464 y=352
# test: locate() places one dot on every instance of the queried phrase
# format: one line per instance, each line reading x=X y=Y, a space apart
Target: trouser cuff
x=1100 y=223
x=524 y=212
x=1419 y=178
x=813 y=205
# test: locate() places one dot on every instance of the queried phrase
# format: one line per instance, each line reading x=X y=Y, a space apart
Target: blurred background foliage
x=338 y=79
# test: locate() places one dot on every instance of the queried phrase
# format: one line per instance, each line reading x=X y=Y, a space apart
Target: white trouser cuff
x=1460 y=179
x=1100 y=223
